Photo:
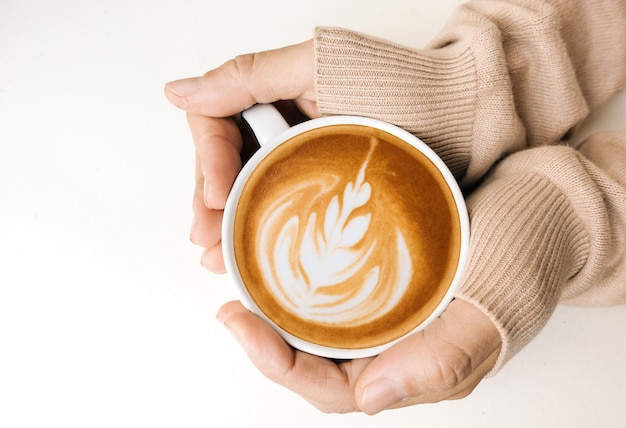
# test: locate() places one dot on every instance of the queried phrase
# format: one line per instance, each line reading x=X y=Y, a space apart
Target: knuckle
x=242 y=66
x=248 y=71
x=452 y=369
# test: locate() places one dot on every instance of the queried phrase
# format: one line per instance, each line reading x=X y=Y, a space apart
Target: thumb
x=444 y=361
x=265 y=77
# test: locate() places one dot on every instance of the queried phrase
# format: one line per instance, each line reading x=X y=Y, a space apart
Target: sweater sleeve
x=501 y=76
x=548 y=226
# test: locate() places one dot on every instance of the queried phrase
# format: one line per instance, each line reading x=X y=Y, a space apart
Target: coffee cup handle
x=266 y=122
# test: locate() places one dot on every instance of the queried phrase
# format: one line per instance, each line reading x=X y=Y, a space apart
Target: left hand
x=445 y=361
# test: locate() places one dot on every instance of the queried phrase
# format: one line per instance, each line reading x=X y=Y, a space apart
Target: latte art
x=345 y=236
x=329 y=266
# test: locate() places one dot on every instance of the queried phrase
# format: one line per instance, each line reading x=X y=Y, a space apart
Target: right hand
x=210 y=102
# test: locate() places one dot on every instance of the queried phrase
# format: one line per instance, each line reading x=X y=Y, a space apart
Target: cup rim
x=259 y=155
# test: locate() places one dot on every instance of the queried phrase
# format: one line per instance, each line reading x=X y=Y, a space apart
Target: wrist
x=529 y=242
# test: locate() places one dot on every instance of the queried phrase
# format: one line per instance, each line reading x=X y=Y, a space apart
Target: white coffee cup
x=274 y=133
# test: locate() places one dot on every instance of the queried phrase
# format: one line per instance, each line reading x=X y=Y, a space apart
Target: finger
x=206 y=227
x=218 y=146
x=326 y=385
x=207 y=224
x=444 y=361
x=462 y=390
x=308 y=107
x=264 y=77
x=206 y=234
x=213 y=260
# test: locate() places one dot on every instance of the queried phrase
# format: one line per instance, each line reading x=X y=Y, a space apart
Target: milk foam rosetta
x=345 y=236
x=339 y=261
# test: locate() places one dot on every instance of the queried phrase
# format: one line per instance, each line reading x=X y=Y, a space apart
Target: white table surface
x=106 y=317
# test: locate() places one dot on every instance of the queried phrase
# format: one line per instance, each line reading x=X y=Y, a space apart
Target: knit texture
x=496 y=94
x=543 y=229
x=501 y=76
x=526 y=242
x=366 y=77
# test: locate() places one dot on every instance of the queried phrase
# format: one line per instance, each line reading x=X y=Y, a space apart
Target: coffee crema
x=346 y=236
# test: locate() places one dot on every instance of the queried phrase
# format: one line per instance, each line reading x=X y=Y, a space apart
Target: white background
x=106 y=317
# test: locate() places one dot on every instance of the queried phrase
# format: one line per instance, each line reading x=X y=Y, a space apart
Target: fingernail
x=185 y=87
x=380 y=395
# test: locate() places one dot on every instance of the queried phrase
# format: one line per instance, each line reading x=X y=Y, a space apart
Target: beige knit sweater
x=496 y=95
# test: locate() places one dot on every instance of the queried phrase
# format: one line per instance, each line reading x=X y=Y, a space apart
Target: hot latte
x=346 y=236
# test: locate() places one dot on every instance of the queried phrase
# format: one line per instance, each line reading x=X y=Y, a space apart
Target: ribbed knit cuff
x=528 y=240
x=429 y=96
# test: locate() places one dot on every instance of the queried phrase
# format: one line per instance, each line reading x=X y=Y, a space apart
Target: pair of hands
x=445 y=361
